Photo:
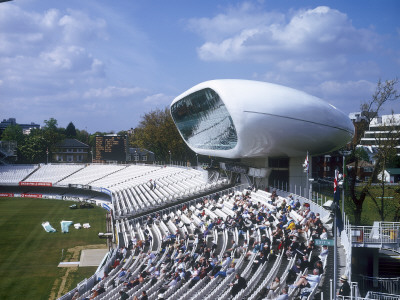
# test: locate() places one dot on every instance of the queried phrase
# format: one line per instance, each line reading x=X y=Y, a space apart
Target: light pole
x=91 y=155
x=332 y=207
x=136 y=157
x=197 y=160
x=170 y=157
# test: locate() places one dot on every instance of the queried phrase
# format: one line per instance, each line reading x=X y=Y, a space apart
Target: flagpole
x=343 y=186
x=307 y=183
x=335 y=255
x=335 y=231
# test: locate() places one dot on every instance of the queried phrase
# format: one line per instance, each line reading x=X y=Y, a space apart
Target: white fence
x=380 y=234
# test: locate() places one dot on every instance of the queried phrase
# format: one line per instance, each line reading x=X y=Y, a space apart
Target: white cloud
x=333 y=89
x=237 y=19
x=157 y=99
x=112 y=91
x=42 y=48
x=49 y=67
x=77 y=26
x=347 y=95
x=258 y=36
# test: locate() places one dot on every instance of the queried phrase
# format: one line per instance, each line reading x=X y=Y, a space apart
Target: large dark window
x=204 y=121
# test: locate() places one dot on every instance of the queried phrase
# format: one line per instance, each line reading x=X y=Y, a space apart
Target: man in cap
x=345 y=288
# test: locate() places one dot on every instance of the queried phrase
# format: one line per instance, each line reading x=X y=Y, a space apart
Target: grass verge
x=29 y=256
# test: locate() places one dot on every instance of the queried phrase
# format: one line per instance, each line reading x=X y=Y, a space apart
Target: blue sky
x=103 y=64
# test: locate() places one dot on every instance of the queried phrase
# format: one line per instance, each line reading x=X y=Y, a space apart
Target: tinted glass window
x=204 y=121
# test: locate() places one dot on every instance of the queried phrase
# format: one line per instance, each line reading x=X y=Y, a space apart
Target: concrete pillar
x=375 y=265
x=297 y=176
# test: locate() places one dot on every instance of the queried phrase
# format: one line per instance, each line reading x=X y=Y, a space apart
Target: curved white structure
x=242 y=118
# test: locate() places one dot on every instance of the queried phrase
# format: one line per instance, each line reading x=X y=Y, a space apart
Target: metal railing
x=345 y=239
x=8 y=147
x=381 y=296
x=371 y=295
x=380 y=234
x=379 y=284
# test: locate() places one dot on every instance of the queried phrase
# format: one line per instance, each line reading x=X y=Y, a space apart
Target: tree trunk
x=358 y=202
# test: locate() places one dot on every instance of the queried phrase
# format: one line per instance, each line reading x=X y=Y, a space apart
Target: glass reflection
x=204 y=121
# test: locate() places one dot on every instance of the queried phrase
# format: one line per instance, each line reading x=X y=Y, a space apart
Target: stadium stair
x=71 y=174
x=30 y=174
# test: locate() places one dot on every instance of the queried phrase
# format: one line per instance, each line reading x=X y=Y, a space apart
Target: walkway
x=341 y=264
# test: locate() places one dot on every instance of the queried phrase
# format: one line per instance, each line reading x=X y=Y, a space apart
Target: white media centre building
x=267 y=126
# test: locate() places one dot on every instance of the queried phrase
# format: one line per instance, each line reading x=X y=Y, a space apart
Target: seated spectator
x=240 y=283
x=142 y=297
x=273 y=287
x=227 y=261
x=75 y=296
x=123 y=295
x=309 y=281
x=318 y=265
x=293 y=272
x=132 y=283
x=324 y=253
x=116 y=263
x=324 y=234
x=259 y=260
x=305 y=263
x=121 y=276
x=284 y=295
x=234 y=246
x=100 y=290
x=229 y=271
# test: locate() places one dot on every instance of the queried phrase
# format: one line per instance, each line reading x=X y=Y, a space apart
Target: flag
x=336 y=192
x=306 y=164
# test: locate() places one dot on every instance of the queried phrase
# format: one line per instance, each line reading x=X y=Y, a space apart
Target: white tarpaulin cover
x=65 y=226
x=46 y=225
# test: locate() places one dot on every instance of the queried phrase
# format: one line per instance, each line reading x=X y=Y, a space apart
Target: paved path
x=92 y=257
x=341 y=263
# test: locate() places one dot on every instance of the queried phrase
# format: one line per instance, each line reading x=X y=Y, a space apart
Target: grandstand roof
x=72 y=143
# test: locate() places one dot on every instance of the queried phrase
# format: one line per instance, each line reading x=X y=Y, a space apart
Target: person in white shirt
x=310 y=280
x=324 y=234
x=324 y=253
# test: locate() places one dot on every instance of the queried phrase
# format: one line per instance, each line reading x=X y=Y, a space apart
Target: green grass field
x=370 y=212
x=29 y=256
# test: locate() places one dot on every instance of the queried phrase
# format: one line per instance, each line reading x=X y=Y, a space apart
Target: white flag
x=306 y=164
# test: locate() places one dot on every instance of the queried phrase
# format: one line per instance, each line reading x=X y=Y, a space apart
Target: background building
x=269 y=127
x=71 y=151
x=26 y=128
x=140 y=155
x=386 y=127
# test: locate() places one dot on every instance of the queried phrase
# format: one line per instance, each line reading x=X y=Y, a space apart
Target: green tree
x=70 y=131
x=122 y=132
x=13 y=133
x=51 y=134
x=384 y=93
x=83 y=136
x=50 y=124
x=157 y=132
x=387 y=141
x=362 y=154
x=33 y=151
